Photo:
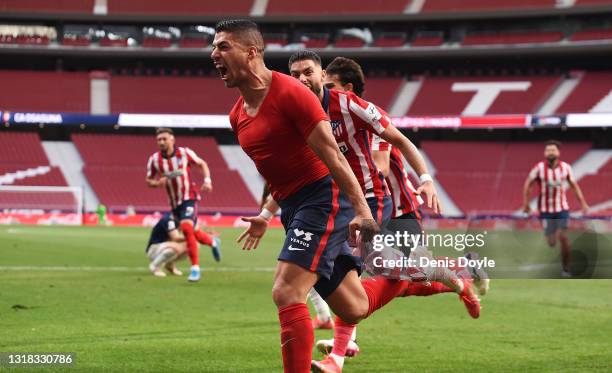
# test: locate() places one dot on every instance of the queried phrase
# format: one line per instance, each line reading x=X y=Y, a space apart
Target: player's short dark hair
x=553 y=142
x=164 y=130
x=304 y=55
x=247 y=31
x=348 y=71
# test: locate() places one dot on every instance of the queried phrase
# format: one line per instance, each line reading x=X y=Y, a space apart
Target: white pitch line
x=127 y=269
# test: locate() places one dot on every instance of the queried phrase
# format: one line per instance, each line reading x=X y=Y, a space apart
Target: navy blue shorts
x=188 y=210
x=316 y=221
x=553 y=221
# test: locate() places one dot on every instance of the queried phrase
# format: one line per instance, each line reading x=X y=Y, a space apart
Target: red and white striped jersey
x=353 y=122
x=177 y=169
x=402 y=191
x=553 y=182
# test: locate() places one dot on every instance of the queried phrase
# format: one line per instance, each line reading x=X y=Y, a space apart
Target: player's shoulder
x=285 y=85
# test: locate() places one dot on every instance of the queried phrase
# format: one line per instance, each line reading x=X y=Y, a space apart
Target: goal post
x=41 y=204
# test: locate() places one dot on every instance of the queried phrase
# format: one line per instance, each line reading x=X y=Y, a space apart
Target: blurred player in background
x=166 y=246
x=552 y=176
x=170 y=167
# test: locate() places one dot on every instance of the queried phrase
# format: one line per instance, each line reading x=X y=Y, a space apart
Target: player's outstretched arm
x=322 y=142
x=578 y=192
x=417 y=162
x=258 y=225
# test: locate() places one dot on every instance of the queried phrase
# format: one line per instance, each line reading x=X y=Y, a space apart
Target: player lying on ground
x=553 y=175
x=280 y=124
x=354 y=124
x=170 y=167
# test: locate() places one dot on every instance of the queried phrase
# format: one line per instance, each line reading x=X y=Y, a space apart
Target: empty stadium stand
x=382 y=91
x=176 y=95
x=184 y=7
x=44 y=91
x=449 y=95
x=62 y=6
x=533 y=37
x=591 y=35
x=118 y=176
x=490 y=180
x=438 y=6
x=591 y=89
x=280 y=7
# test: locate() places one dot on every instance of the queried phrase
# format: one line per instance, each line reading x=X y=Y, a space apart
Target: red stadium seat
x=279 y=7
x=44 y=91
x=513 y=38
x=437 y=6
x=183 y=7
x=58 y=6
x=591 y=89
x=176 y=95
x=389 y=40
x=427 y=41
x=382 y=91
x=593 y=34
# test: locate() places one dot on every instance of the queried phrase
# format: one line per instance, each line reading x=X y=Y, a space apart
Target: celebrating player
x=166 y=245
x=553 y=175
x=281 y=125
x=170 y=167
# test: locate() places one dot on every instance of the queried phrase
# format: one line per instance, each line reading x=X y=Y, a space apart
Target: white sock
x=163 y=258
x=338 y=359
x=321 y=308
x=354 y=335
x=196 y=266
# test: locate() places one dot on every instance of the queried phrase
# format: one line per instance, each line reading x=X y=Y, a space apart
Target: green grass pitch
x=86 y=290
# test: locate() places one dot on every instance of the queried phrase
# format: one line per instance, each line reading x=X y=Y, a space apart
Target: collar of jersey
x=325 y=102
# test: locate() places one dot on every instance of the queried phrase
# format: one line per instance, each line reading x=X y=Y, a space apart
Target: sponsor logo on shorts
x=189 y=211
x=291 y=248
x=300 y=233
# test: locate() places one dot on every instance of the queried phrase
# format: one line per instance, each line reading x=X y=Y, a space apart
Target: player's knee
x=354 y=314
x=284 y=295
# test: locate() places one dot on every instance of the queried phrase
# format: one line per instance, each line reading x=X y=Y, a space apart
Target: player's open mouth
x=222 y=71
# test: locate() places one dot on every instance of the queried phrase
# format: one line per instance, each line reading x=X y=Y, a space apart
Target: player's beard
x=551 y=160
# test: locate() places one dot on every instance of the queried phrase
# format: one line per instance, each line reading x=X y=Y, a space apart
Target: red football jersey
x=354 y=121
x=177 y=168
x=552 y=197
x=275 y=138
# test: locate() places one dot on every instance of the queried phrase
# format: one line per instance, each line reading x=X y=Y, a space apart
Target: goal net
x=41 y=205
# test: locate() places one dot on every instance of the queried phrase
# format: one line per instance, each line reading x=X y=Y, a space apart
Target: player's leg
x=292 y=283
x=181 y=253
x=550 y=229
x=186 y=214
x=162 y=254
x=210 y=240
x=566 y=249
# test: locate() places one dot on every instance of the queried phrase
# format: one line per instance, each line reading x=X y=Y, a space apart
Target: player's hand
x=207 y=187
x=429 y=189
x=162 y=181
x=366 y=226
x=585 y=209
x=254 y=233
x=527 y=209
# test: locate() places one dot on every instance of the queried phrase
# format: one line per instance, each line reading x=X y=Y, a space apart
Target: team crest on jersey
x=336 y=126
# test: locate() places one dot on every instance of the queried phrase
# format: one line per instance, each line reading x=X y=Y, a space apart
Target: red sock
x=203 y=238
x=381 y=290
x=565 y=253
x=297 y=338
x=192 y=244
x=342 y=335
x=421 y=289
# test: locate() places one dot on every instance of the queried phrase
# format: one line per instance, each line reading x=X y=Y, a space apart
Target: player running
x=281 y=125
x=553 y=175
x=170 y=167
x=166 y=246
x=354 y=131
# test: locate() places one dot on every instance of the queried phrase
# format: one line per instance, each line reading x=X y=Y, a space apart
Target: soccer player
x=281 y=125
x=356 y=124
x=170 y=167
x=553 y=175
x=166 y=245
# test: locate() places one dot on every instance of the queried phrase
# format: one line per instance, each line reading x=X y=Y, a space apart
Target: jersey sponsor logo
x=174 y=174
x=373 y=113
x=291 y=248
x=343 y=148
x=300 y=233
x=189 y=211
